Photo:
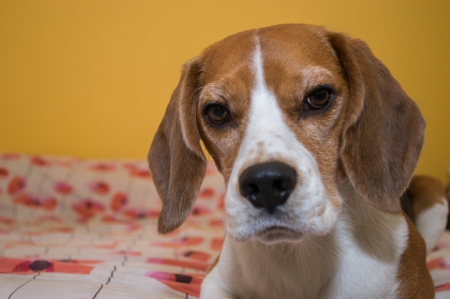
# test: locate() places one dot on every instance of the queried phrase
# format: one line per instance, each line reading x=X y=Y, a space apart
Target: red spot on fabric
x=141 y=213
x=199 y=210
x=140 y=173
x=119 y=200
x=438 y=264
x=130 y=165
x=10 y=265
x=134 y=227
x=443 y=287
x=112 y=245
x=160 y=275
x=7 y=265
x=216 y=244
x=221 y=202
x=210 y=170
x=216 y=222
x=439 y=246
x=88 y=208
x=206 y=193
x=180 y=242
x=39 y=161
x=10 y=156
x=196 y=255
x=7 y=221
x=71 y=268
x=103 y=167
x=63 y=188
x=22 y=267
x=189 y=284
x=128 y=253
x=16 y=185
x=35 y=266
x=30 y=201
x=99 y=187
x=114 y=219
x=3 y=173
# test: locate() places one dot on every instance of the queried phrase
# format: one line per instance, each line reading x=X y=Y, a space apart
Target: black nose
x=267 y=185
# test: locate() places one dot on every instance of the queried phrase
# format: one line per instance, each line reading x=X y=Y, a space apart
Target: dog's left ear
x=176 y=159
x=383 y=131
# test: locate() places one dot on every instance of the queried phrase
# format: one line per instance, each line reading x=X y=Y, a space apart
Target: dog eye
x=318 y=99
x=217 y=114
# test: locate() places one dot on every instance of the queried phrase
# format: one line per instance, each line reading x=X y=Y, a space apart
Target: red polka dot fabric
x=83 y=229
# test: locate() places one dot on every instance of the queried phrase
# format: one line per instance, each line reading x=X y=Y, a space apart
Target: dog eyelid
x=317 y=100
x=216 y=114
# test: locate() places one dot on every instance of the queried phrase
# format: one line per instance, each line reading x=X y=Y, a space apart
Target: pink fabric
x=73 y=228
x=84 y=229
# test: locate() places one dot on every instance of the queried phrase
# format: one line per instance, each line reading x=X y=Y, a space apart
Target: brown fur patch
x=227 y=79
x=425 y=192
x=413 y=275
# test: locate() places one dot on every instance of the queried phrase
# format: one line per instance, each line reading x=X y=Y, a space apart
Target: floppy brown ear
x=176 y=159
x=384 y=129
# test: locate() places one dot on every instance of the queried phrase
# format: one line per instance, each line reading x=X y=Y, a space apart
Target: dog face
x=286 y=112
x=269 y=119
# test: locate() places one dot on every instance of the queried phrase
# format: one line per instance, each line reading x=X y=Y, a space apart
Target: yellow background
x=93 y=78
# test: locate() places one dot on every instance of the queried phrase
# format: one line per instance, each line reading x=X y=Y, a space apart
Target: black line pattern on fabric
x=101 y=287
x=129 y=185
x=34 y=277
x=64 y=197
x=111 y=276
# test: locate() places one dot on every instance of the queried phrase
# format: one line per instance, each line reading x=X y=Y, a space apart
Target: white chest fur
x=358 y=259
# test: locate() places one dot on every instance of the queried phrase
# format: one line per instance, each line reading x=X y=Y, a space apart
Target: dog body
x=359 y=258
x=316 y=142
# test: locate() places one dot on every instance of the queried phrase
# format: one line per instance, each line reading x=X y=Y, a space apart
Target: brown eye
x=217 y=114
x=318 y=99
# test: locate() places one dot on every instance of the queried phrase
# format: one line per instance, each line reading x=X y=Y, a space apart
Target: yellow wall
x=92 y=78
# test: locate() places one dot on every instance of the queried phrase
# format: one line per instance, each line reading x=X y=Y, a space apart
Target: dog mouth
x=278 y=234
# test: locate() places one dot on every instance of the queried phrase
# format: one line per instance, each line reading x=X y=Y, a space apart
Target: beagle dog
x=316 y=142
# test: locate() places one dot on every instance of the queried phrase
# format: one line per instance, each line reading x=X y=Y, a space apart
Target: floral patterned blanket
x=73 y=228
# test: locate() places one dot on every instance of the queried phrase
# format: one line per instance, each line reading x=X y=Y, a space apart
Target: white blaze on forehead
x=266 y=129
x=260 y=86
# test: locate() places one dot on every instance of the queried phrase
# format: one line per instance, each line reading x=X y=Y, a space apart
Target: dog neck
x=339 y=262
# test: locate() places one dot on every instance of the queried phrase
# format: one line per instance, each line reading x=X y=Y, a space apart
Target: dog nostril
x=268 y=184
x=283 y=185
x=251 y=192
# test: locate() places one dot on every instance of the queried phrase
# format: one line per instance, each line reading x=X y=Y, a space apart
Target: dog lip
x=278 y=234
x=276 y=227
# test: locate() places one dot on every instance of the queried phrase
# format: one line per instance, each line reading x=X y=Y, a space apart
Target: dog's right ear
x=176 y=159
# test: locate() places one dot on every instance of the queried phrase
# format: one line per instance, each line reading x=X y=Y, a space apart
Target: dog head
x=286 y=112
